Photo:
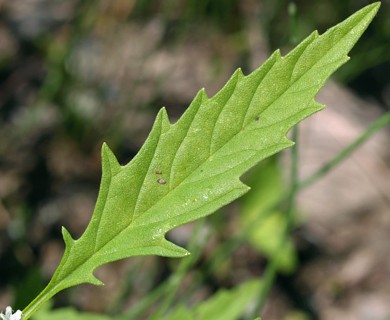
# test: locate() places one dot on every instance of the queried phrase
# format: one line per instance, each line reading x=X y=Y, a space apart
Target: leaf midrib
x=238 y=132
x=270 y=104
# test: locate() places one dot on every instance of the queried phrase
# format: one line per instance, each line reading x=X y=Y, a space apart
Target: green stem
x=226 y=249
x=346 y=152
x=184 y=266
x=295 y=187
x=136 y=311
x=44 y=296
x=272 y=268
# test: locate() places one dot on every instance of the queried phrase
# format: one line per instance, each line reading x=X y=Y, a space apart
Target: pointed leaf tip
x=109 y=161
x=67 y=238
x=169 y=249
x=374 y=6
x=95 y=281
x=372 y=9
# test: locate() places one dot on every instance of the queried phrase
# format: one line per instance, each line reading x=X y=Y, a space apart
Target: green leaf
x=66 y=313
x=224 y=305
x=229 y=304
x=188 y=170
x=262 y=224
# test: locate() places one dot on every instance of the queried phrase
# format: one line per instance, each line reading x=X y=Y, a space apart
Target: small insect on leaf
x=158 y=171
x=161 y=181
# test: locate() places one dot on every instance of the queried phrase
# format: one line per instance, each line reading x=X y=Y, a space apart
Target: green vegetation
x=190 y=169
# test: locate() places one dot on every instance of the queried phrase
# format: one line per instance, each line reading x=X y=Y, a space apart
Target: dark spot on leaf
x=257 y=118
x=161 y=181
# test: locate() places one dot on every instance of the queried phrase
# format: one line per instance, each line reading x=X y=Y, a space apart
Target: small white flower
x=9 y=316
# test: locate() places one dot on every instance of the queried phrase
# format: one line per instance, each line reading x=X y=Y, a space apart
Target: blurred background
x=76 y=73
